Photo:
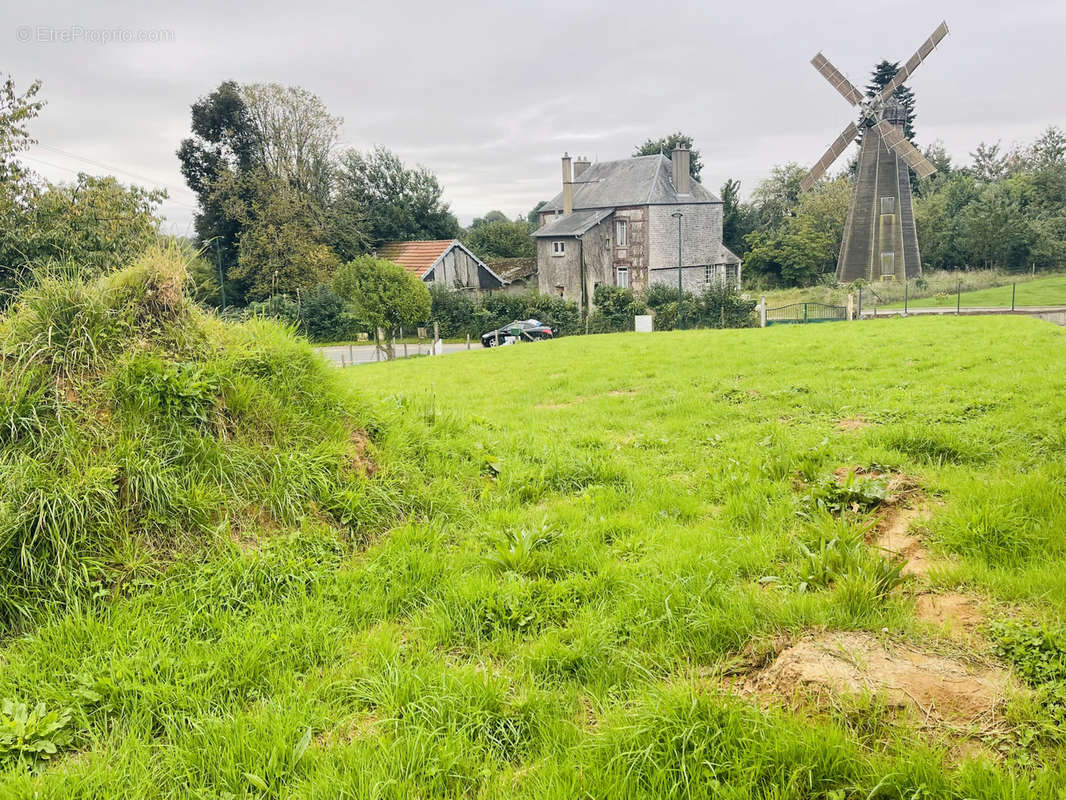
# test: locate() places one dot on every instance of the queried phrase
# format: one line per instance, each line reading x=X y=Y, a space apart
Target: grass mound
x=134 y=425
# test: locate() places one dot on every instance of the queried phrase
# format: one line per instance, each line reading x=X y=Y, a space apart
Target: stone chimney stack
x=679 y=159
x=581 y=163
x=568 y=185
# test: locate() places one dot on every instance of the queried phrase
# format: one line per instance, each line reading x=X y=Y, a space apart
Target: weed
x=32 y=734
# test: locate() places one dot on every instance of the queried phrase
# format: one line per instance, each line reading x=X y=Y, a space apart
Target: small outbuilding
x=446 y=262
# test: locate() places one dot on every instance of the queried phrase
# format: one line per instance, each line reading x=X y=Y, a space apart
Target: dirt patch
x=893 y=535
x=359 y=452
x=362 y=727
x=853 y=423
x=936 y=687
x=949 y=610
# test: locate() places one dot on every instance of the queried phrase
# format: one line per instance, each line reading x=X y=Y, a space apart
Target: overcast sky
x=489 y=95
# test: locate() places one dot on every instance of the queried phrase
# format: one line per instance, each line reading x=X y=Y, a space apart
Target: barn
x=445 y=262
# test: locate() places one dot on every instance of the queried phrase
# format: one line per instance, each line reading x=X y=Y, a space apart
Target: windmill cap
x=894 y=111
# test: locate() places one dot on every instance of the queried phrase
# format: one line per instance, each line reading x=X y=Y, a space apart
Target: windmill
x=880 y=242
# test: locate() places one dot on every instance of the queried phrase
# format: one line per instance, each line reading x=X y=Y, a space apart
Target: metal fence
x=802 y=313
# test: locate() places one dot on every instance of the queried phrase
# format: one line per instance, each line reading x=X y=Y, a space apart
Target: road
x=344 y=355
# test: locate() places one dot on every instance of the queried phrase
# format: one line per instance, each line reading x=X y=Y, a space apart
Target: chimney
x=679 y=160
x=568 y=185
x=580 y=165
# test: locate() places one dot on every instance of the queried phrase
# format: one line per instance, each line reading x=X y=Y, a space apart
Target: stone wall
x=701 y=234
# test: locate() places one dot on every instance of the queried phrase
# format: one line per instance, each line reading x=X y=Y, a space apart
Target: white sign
x=642 y=323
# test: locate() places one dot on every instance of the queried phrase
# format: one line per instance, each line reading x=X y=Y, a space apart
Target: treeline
x=1007 y=210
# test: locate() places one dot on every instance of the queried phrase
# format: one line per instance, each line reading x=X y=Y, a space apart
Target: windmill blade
x=831 y=155
x=836 y=79
x=904 y=149
x=912 y=63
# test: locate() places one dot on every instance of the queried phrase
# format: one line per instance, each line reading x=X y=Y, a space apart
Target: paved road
x=343 y=355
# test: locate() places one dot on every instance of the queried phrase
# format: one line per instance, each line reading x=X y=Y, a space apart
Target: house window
x=621 y=232
x=708 y=274
x=558 y=248
x=622 y=277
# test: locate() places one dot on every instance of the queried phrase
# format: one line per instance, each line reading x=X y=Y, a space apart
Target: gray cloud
x=489 y=95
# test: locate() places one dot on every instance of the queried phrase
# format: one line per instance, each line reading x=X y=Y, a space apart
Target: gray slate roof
x=645 y=180
x=574 y=224
x=723 y=255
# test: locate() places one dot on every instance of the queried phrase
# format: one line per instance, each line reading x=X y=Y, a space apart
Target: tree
x=666 y=146
x=281 y=247
x=988 y=163
x=223 y=143
x=492 y=216
x=94 y=225
x=294 y=136
x=996 y=231
x=533 y=217
x=881 y=75
x=16 y=111
x=806 y=245
x=400 y=204
x=778 y=194
x=738 y=220
x=501 y=239
x=382 y=294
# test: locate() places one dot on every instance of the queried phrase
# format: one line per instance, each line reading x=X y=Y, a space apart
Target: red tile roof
x=416 y=257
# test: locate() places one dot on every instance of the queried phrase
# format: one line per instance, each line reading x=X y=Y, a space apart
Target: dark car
x=521 y=330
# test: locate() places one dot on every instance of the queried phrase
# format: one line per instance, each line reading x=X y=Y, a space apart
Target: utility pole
x=680 y=317
x=221 y=279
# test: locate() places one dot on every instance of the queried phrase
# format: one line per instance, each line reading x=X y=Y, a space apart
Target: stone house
x=614 y=223
x=446 y=262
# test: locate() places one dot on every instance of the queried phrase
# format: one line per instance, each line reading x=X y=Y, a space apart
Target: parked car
x=521 y=330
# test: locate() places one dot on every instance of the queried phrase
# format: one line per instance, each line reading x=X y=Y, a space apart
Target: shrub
x=615 y=309
x=325 y=317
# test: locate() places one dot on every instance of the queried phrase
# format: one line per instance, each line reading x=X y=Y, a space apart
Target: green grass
x=584 y=529
x=935 y=288
x=1039 y=292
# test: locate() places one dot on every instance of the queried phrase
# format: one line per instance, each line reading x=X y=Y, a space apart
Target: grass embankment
x=1049 y=291
x=934 y=288
x=609 y=530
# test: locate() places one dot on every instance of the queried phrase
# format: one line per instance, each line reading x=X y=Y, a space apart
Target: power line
x=113 y=168
x=69 y=169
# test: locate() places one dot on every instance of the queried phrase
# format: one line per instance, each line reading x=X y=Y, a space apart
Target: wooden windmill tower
x=880 y=241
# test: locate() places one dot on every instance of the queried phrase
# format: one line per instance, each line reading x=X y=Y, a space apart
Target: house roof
x=421 y=257
x=416 y=257
x=513 y=269
x=574 y=224
x=644 y=180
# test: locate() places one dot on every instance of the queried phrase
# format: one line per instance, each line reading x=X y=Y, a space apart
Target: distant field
x=800 y=562
x=937 y=288
x=1040 y=292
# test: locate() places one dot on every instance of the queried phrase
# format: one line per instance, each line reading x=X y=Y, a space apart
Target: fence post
x=350 y=356
x=860 y=302
x=804 y=312
x=906 y=296
x=436 y=337
x=851 y=306
x=958 y=299
x=402 y=339
x=468 y=341
x=762 y=312
x=1013 y=289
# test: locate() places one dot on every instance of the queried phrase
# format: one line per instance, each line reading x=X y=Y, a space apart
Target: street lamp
x=678 y=215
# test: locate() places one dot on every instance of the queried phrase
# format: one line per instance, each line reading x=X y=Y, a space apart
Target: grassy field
x=606 y=548
x=1039 y=292
x=936 y=288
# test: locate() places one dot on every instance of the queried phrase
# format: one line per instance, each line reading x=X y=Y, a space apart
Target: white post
x=851 y=306
x=762 y=311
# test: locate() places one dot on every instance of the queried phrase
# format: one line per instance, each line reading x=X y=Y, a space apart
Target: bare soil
x=952 y=611
x=894 y=537
x=936 y=687
x=853 y=423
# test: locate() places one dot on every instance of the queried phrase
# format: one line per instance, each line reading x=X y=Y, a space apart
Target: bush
x=460 y=313
x=325 y=317
x=719 y=305
x=615 y=309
